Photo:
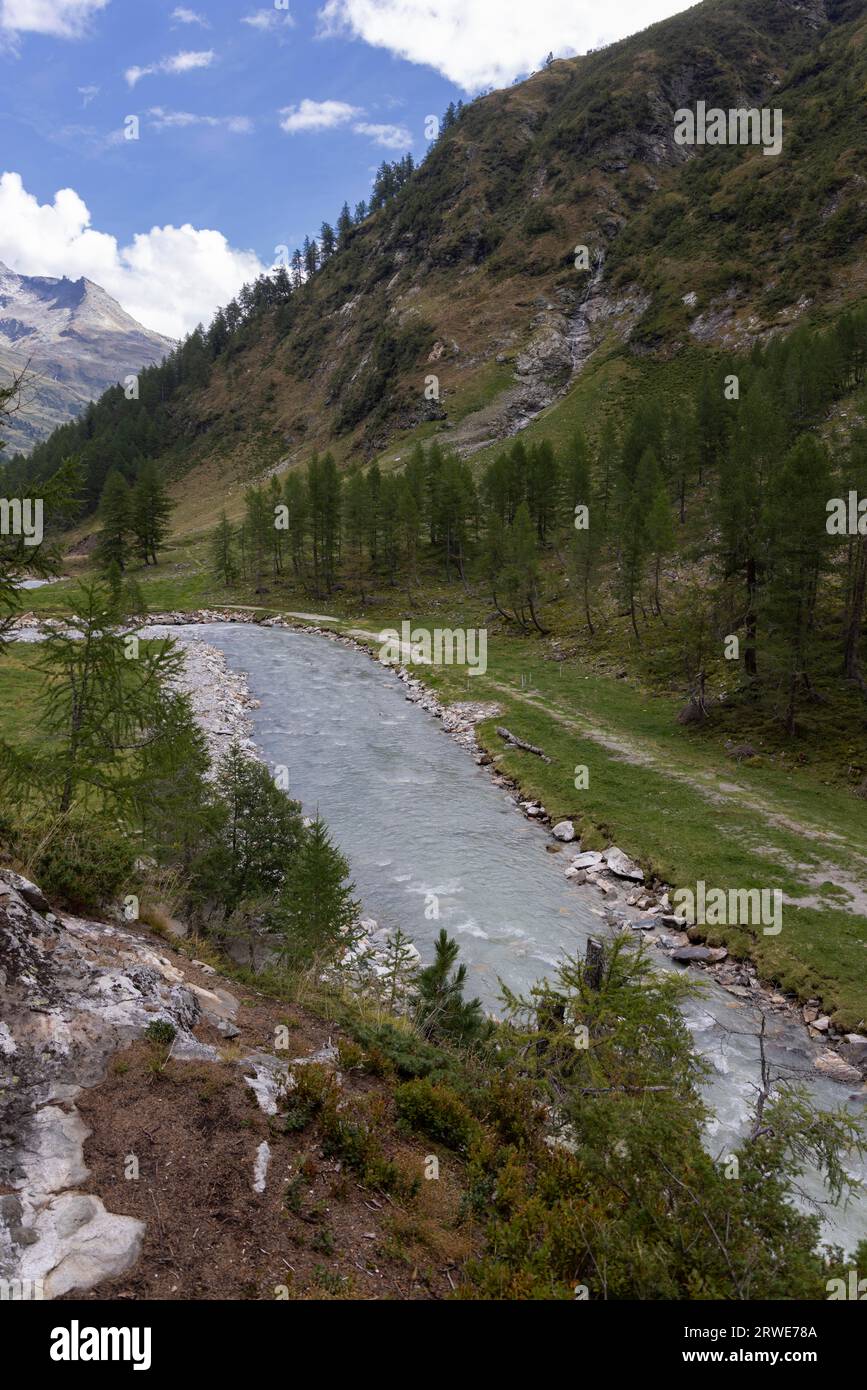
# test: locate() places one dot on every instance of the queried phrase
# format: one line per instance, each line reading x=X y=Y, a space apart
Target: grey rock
x=29 y=892
x=564 y=830
x=588 y=860
x=621 y=865
x=831 y=1064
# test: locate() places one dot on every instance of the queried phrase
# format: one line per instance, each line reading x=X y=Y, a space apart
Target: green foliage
x=314 y=1087
x=316 y=907
x=84 y=861
x=161 y=1032
x=116 y=515
x=109 y=726
x=626 y=1201
x=150 y=509
x=442 y=1011
x=254 y=833
x=436 y=1111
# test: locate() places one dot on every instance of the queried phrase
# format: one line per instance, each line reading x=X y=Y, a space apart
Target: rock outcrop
x=73 y=993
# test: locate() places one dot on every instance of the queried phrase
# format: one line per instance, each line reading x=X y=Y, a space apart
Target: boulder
x=564 y=830
x=691 y=954
x=621 y=865
x=588 y=860
x=831 y=1064
x=33 y=896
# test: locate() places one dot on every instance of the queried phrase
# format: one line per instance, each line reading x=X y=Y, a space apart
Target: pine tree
x=796 y=521
x=399 y=979
x=443 y=1013
x=297 y=506
x=258 y=831
x=317 y=907
x=223 y=552
x=344 y=225
x=660 y=535
x=327 y=242
x=408 y=522
x=520 y=574
x=324 y=493
x=115 y=511
x=103 y=716
x=356 y=513
x=151 y=508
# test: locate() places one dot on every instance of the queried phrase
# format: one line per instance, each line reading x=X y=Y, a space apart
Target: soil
x=194 y=1129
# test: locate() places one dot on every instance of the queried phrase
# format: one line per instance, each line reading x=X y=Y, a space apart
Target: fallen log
x=519 y=743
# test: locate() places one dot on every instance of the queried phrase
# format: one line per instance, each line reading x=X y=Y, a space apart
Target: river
x=425 y=830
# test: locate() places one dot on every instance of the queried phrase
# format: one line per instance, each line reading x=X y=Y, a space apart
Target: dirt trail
x=642 y=753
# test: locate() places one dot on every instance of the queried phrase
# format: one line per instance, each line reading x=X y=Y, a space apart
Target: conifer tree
x=223 y=552
x=115 y=511
x=151 y=508
x=295 y=497
x=796 y=521
x=317 y=908
x=443 y=1013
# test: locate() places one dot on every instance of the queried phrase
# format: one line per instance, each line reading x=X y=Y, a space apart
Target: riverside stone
x=833 y=1065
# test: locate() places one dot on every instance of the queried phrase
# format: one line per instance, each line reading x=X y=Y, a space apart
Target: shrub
x=436 y=1111
x=84 y=863
x=161 y=1032
x=314 y=1085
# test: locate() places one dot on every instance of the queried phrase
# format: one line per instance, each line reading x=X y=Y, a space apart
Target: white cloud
x=179 y=62
x=481 y=43
x=391 y=137
x=169 y=278
x=66 y=19
x=177 y=120
x=184 y=16
x=87 y=94
x=317 y=115
x=269 y=19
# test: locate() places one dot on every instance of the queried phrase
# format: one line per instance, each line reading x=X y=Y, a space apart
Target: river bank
x=626 y=902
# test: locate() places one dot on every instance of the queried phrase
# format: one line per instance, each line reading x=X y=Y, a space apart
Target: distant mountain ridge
x=77 y=340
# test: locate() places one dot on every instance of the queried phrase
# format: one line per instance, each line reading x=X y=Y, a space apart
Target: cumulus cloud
x=268 y=20
x=177 y=63
x=391 y=137
x=317 y=115
x=482 y=43
x=65 y=19
x=169 y=278
x=184 y=16
x=328 y=115
x=178 y=120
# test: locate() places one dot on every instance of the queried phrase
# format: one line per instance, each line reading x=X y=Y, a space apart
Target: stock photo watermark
x=439 y=646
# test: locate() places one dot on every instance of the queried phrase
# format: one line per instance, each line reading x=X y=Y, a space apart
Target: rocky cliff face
x=77 y=340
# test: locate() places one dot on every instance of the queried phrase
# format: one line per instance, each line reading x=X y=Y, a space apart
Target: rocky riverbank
x=627 y=903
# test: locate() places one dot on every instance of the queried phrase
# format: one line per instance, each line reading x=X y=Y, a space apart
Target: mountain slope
x=77 y=341
x=467 y=273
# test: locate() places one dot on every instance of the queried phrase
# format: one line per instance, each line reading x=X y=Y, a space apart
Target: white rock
x=78 y=1243
x=621 y=865
x=588 y=860
x=565 y=831
x=260 y=1166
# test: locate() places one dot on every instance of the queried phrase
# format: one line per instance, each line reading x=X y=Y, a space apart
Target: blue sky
x=255 y=122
